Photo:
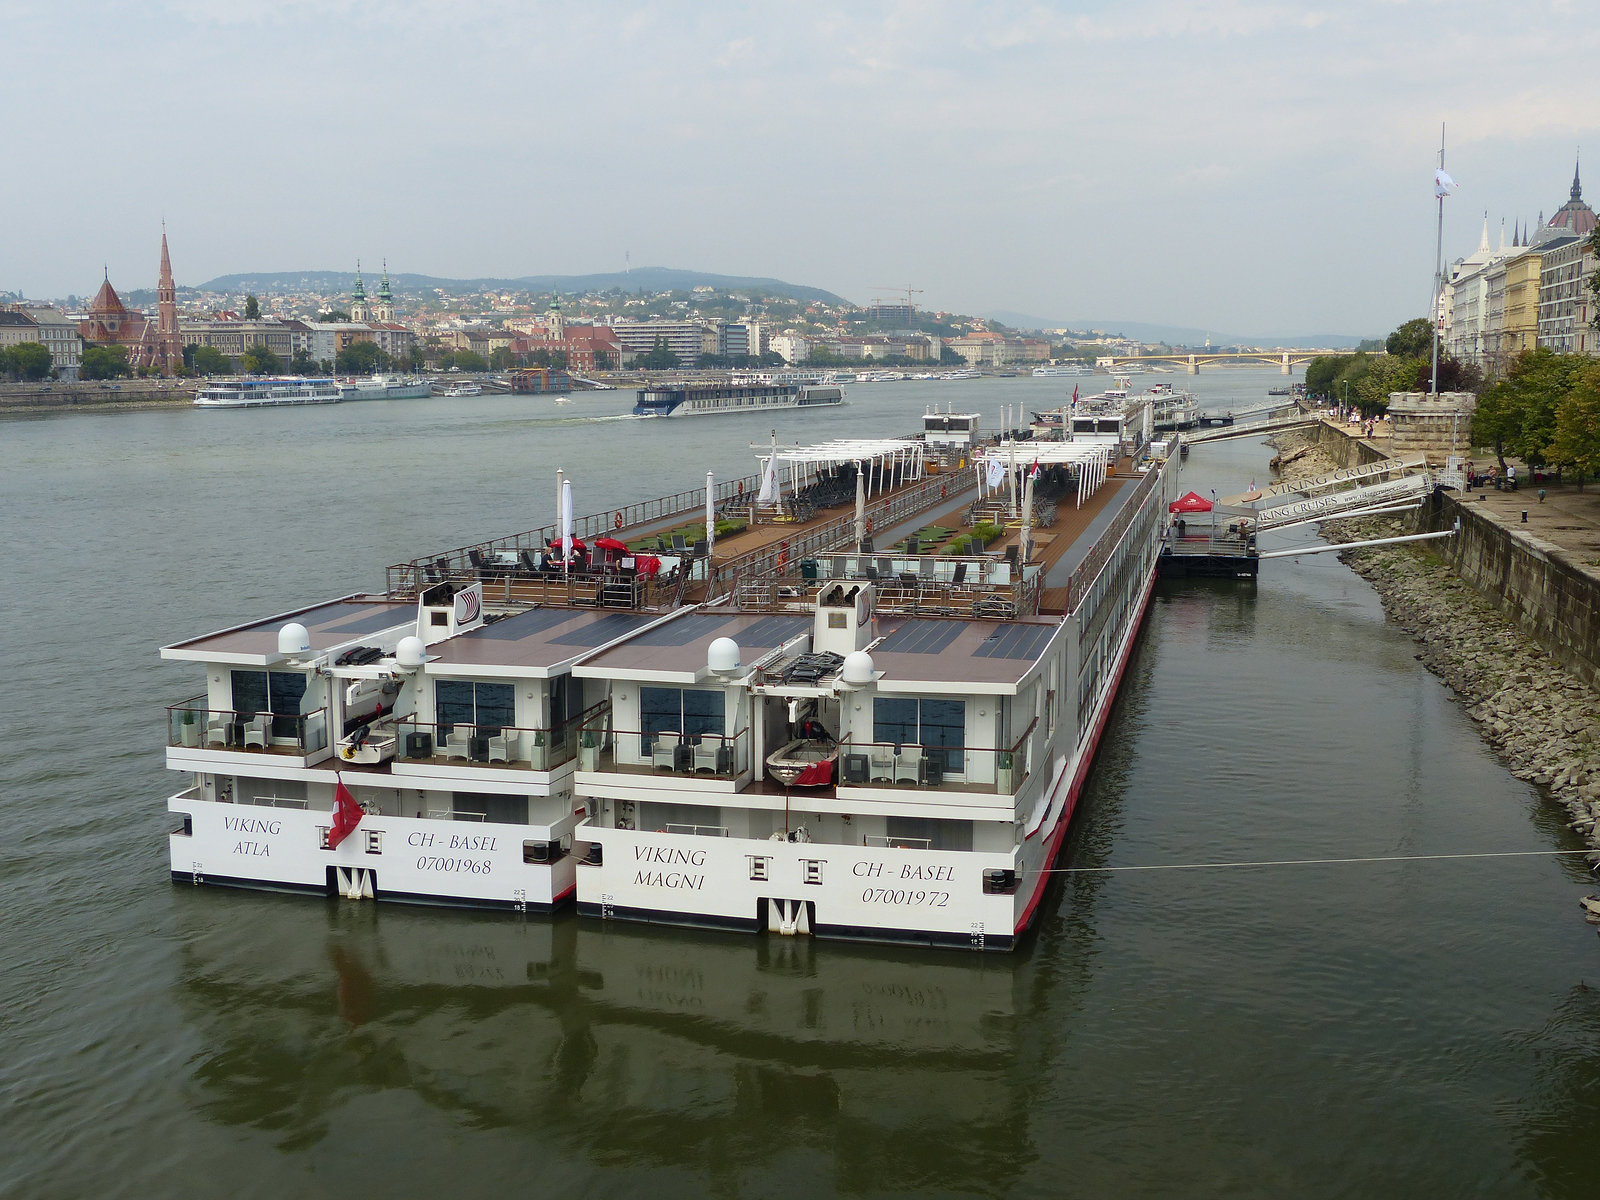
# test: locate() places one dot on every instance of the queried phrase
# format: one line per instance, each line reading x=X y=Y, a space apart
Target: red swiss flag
x=346 y=815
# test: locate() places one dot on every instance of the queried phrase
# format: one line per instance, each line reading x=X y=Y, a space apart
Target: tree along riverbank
x=1535 y=713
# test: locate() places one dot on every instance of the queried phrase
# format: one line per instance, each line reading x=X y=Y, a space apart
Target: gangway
x=1249 y=429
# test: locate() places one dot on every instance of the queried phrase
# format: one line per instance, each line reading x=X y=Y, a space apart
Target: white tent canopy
x=874 y=457
x=1090 y=462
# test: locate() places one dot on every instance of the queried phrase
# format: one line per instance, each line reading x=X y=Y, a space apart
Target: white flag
x=566 y=516
x=1443 y=185
x=997 y=472
x=769 y=482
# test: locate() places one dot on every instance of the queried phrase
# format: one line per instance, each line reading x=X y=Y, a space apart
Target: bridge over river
x=1284 y=359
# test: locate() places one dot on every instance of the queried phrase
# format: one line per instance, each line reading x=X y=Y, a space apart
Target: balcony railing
x=512 y=747
x=193 y=725
x=1001 y=771
x=633 y=751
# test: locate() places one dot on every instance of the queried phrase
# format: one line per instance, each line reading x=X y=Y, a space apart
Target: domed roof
x=1574 y=216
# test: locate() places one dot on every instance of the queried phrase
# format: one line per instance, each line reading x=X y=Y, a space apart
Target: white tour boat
x=264 y=391
x=883 y=742
x=385 y=387
x=720 y=399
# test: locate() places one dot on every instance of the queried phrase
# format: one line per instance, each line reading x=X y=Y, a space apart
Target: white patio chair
x=258 y=730
x=503 y=747
x=458 y=742
x=664 y=750
x=217 y=731
x=705 y=753
x=908 y=765
x=881 y=764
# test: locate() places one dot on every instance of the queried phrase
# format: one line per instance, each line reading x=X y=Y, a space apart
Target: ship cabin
x=848 y=727
x=427 y=710
x=951 y=434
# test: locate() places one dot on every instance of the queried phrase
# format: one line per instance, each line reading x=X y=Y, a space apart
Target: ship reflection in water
x=634 y=1048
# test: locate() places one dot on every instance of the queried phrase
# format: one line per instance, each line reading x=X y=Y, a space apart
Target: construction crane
x=909 y=292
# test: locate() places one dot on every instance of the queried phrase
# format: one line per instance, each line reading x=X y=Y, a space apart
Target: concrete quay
x=95 y=396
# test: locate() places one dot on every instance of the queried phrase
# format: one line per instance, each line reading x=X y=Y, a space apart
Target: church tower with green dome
x=383 y=310
x=358 y=298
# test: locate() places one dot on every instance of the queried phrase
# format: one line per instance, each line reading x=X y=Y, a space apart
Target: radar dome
x=294 y=640
x=858 y=668
x=410 y=653
x=722 y=656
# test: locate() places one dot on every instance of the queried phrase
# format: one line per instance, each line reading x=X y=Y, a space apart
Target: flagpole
x=1438 y=276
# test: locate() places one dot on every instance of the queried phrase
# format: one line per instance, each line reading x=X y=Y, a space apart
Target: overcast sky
x=1248 y=166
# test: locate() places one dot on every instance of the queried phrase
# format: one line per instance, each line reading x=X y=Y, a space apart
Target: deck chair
x=705 y=753
x=503 y=747
x=458 y=742
x=217 y=731
x=961 y=573
x=258 y=730
x=908 y=765
x=679 y=546
x=881 y=764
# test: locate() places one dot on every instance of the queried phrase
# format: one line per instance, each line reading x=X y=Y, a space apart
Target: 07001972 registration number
x=896 y=896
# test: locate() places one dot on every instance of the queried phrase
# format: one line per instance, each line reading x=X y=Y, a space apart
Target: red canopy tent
x=1191 y=503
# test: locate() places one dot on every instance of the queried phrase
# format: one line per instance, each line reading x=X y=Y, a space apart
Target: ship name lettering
x=868 y=870
x=461 y=841
x=916 y=872
x=252 y=825
x=252 y=849
x=420 y=839
x=669 y=879
x=670 y=855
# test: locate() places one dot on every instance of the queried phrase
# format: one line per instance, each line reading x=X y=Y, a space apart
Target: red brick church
x=149 y=343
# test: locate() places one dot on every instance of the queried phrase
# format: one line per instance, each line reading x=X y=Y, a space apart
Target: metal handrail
x=307 y=725
x=1088 y=571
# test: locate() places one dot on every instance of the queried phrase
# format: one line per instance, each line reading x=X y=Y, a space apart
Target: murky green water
x=1414 y=1029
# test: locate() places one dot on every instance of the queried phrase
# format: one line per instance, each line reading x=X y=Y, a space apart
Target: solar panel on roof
x=772 y=631
x=684 y=630
x=369 y=622
x=526 y=624
x=922 y=637
x=1015 y=641
x=607 y=629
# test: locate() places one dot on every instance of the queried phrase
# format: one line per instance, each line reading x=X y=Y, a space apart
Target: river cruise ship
x=265 y=391
x=385 y=387
x=874 y=723
x=720 y=399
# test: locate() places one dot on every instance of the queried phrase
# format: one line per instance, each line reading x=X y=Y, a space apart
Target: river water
x=1424 y=1028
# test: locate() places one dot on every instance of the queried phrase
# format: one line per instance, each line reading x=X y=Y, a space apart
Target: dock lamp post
x=1347 y=398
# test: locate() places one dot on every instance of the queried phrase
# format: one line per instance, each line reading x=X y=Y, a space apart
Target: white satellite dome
x=294 y=640
x=858 y=668
x=410 y=653
x=722 y=656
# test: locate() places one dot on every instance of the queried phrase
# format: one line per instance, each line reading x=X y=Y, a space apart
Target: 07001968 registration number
x=894 y=896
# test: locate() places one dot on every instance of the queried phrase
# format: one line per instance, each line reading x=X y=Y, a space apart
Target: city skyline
x=1188 y=164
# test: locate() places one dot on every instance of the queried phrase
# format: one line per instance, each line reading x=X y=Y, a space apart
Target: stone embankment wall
x=1488 y=646
x=126 y=393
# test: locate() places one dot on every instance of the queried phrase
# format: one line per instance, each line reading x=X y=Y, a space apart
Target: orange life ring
x=869 y=524
x=741 y=487
x=944 y=490
x=783 y=555
x=616 y=521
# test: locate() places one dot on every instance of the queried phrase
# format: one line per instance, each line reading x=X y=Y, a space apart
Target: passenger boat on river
x=872 y=724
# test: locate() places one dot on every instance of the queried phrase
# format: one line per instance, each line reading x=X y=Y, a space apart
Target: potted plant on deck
x=188 y=731
x=1002 y=780
x=588 y=752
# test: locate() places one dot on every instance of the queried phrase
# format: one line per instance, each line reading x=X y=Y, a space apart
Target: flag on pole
x=1443 y=185
x=1034 y=474
x=1074 y=395
x=346 y=815
x=769 y=482
x=997 y=472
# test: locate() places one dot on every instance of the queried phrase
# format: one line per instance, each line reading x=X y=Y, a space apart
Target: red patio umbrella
x=610 y=543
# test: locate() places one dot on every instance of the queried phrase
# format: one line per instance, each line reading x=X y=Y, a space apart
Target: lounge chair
x=258 y=730
x=458 y=742
x=503 y=747
x=705 y=753
x=881 y=764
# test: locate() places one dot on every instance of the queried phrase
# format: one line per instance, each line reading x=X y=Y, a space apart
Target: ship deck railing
x=904 y=592
x=665 y=752
x=458 y=563
x=193 y=725
x=1088 y=571
x=504 y=747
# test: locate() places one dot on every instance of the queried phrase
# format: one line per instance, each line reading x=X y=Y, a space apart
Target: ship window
x=461 y=701
x=276 y=692
x=678 y=710
x=940 y=726
x=938 y=835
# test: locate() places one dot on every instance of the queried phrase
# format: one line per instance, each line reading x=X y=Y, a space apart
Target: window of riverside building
x=275 y=692
x=678 y=710
x=939 y=726
x=464 y=702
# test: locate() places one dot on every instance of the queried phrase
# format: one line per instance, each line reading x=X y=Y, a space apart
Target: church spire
x=383 y=287
x=1577 y=187
x=360 y=293
x=168 y=350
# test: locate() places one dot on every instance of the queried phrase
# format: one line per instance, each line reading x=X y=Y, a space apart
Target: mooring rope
x=1306 y=862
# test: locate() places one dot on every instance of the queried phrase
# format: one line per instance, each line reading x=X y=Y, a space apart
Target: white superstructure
x=267 y=390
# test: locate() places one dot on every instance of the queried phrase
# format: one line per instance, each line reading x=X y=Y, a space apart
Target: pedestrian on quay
x=1511 y=476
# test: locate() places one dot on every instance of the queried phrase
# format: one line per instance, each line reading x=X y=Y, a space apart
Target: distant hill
x=1177 y=335
x=650 y=279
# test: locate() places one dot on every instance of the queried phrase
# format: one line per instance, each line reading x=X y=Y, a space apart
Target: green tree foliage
x=1577 y=437
x=1411 y=339
x=1518 y=415
x=362 y=358
x=659 y=358
x=500 y=358
x=334 y=315
x=1320 y=374
x=252 y=312
x=104 y=362
x=208 y=360
x=416 y=357
x=258 y=360
x=29 y=360
x=463 y=360
x=5 y=361
x=301 y=363
x=602 y=361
